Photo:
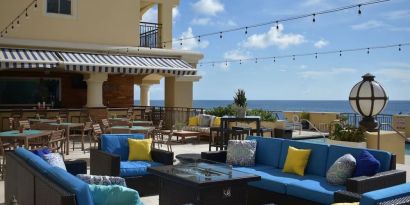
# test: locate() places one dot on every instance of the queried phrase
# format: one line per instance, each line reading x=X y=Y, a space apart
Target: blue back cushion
x=267 y=150
x=41 y=152
x=317 y=158
x=118 y=144
x=336 y=151
x=72 y=184
x=33 y=160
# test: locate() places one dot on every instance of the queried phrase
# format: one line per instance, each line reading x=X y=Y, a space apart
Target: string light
x=199 y=38
x=315 y=54
x=180 y=43
x=246 y=31
x=35 y=4
x=16 y=21
x=293 y=18
x=26 y=14
x=359 y=11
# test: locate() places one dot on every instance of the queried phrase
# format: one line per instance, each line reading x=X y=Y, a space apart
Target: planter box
x=347 y=144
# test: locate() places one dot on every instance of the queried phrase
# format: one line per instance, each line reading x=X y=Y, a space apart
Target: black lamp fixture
x=368 y=98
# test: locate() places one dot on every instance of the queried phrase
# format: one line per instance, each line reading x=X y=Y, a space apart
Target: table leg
x=26 y=143
x=68 y=141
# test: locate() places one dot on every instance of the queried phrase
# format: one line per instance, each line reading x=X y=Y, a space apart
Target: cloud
x=236 y=54
x=191 y=43
x=208 y=7
x=368 y=25
x=399 y=14
x=175 y=12
x=321 y=43
x=312 y=2
x=200 y=21
x=274 y=37
x=151 y=16
x=326 y=73
x=402 y=75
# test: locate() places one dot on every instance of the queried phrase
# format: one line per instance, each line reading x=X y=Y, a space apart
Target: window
x=59 y=6
x=29 y=90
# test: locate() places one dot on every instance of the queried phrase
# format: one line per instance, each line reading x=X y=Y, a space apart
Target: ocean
x=393 y=107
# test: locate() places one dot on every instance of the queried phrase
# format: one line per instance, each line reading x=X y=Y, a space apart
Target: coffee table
x=183 y=134
x=202 y=183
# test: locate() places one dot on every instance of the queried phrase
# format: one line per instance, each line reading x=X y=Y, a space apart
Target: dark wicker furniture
x=103 y=163
x=30 y=186
x=202 y=183
x=354 y=187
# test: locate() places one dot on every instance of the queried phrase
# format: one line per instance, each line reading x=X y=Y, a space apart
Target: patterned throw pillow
x=341 y=170
x=102 y=180
x=241 y=152
x=55 y=160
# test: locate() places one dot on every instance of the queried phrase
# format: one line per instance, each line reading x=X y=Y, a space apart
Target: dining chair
x=106 y=126
x=79 y=134
x=96 y=134
x=40 y=142
x=56 y=141
x=25 y=124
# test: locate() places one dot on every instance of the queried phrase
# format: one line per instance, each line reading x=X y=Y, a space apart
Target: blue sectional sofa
x=112 y=159
x=283 y=188
x=399 y=194
x=31 y=180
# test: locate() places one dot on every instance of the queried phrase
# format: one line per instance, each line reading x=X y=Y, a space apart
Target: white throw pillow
x=55 y=160
x=241 y=152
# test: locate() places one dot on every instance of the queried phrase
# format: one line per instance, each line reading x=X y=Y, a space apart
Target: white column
x=95 y=89
x=144 y=95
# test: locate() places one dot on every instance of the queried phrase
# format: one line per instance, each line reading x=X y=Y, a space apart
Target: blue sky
x=330 y=77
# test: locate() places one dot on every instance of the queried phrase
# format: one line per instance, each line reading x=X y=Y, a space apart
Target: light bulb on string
x=368 y=50
x=340 y=53
x=240 y=61
x=213 y=65
x=294 y=57
x=180 y=43
x=315 y=55
x=277 y=25
x=1 y=35
x=314 y=18
x=199 y=39
x=359 y=11
x=220 y=35
x=246 y=31
x=35 y=4
x=26 y=14
x=399 y=47
x=6 y=31
x=256 y=60
x=226 y=63
x=12 y=25
x=274 y=59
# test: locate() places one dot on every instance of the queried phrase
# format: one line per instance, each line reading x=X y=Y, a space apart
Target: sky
x=329 y=77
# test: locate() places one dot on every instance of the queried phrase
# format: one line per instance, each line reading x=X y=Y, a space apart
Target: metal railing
x=150 y=35
x=383 y=119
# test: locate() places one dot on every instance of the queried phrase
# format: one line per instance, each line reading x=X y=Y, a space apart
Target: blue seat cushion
x=267 y=150
x=136 y=168
x=72 y=184
x=274 y=180
x=257 y=167
x=317 y=159
x=118 y=144
x=336 y=151
x=33 y=160
x=114 y=194
x=373 y=197
x=313 y=188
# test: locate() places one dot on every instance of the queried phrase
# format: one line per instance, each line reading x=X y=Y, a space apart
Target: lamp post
x=368 y=98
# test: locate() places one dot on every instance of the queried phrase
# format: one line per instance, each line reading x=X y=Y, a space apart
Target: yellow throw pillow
x=140 y=150
x=296 y=161
x=217 y=122
x=193 y=121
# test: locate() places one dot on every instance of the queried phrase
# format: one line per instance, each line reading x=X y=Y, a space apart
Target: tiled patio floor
x=190 y=147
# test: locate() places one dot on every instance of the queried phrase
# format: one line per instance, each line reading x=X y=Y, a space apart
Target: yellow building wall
x=178 y=93
x=322 y=120
x=93 y=21
x=389 y=141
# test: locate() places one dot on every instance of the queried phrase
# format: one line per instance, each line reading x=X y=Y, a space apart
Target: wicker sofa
x=112 y=159
x=31 y=180
x=205 y=123
x=283 y=188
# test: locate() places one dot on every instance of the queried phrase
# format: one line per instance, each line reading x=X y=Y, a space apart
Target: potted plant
x=347 y=135
x=305 y=116
x=240 y=103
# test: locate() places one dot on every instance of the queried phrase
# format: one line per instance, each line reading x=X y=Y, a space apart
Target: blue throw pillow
x=366 y=165
x=114 y=194
x=41 y=152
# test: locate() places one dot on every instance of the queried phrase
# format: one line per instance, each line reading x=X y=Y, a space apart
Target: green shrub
x=305 y=115
x=221 y=111
x=264 y=114
x=348 y=133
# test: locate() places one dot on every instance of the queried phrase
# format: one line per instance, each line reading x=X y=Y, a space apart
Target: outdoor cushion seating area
x=111 y=159
x=202 y=123
x=312 y=188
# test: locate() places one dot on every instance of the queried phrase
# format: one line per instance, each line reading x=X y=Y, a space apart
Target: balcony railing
x=150 y=35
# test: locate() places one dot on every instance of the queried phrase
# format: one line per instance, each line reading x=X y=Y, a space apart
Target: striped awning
x=127 y=64
x=24 y=58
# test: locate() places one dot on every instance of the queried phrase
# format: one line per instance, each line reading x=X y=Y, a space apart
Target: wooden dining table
x=25 y=136
x=134 y=122
x=32 y=121
x=67 y=126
